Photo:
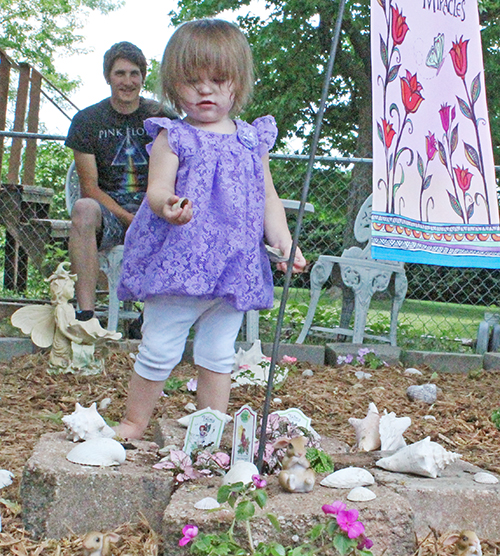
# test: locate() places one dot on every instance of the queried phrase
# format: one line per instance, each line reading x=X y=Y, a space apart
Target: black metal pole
x=305 y=191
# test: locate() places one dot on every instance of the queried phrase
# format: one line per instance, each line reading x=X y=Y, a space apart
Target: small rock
x=429 y=417
x=295 y=538
x=307 y=372
x=485 y=478
x=425 y=392
x=277 y=400
x=362 y=375
x=132 y=356
x=104 y=404
x=412 y=371
x=190 y=407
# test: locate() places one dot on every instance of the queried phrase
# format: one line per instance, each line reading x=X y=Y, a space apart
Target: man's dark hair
x=129 y=52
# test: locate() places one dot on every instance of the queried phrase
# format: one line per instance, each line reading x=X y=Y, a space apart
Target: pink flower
x=365 y=543
x=334 y=508
x=444 y=113
x=258 y=481
x=399 y=26
x=289 y=359
x=189 y=532
x=430 y=145
x=348 y=521
x=464 y=178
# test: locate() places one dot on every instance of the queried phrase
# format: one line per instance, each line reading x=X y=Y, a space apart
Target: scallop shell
x=207 y=503
x=5 y=478
x=102 y=452
x=485 y=478
x=367 y=430
x=424 y=458
x=240 y=472
x=85 y=423
x=391 y=431
x=361 y=494
x=349 y=477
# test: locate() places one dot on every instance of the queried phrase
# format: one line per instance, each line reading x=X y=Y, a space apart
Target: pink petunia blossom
x=189 y=532
x=348 y=521
x=258 y=481
x=334 y=508
x=288 y=359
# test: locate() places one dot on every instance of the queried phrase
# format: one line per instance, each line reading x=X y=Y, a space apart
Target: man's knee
x=86 y=214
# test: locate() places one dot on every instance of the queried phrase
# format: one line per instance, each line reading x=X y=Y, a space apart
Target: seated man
x=108 y=141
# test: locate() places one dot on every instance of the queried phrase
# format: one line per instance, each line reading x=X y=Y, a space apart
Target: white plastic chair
x=110 y=260
x=364 y=276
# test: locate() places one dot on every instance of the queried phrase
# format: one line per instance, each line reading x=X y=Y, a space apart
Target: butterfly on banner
x=435 y=56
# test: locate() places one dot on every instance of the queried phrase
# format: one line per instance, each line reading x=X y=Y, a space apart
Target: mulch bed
x=32 y=402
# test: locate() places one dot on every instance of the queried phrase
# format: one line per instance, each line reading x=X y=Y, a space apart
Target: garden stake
x=305 y=191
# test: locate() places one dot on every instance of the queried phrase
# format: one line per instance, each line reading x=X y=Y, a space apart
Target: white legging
x=167 y=321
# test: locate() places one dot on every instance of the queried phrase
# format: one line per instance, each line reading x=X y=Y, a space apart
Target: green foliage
x=173 y=384
x=34 y=30
x=495 y=418
x=320 y=461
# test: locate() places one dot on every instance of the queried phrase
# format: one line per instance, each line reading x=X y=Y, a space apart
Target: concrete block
x=14 y=347
x=491 y=361
x=59 y=496
x=453 y=501
x=443 y=362
x=388 y=519
x=390 y=354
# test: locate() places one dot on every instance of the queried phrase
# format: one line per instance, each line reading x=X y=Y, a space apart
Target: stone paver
x=59 y=496
x=443 y=362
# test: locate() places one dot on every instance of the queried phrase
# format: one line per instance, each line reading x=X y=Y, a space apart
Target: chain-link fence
x=442 y=309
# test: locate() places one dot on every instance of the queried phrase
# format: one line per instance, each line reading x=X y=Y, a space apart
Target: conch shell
x=424 y=458
x=85 y=423
x=367 y=430
x=391 y=431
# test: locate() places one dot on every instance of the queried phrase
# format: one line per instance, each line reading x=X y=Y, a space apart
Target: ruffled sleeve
x=154 y=126
x=267 y=132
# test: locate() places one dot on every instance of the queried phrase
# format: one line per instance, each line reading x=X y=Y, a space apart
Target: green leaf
x=274 y=521
x=223 y=494
x=316 y=531
x=260 y=497
x=343 y=543
x=475 y=88
x=472 y=155
x=244 y=510
x=464 y=108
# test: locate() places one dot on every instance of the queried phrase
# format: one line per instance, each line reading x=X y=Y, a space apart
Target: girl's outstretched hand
x=177 y=213
x=299 y=262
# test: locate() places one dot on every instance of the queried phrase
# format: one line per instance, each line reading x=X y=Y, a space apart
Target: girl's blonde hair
x=213 y=46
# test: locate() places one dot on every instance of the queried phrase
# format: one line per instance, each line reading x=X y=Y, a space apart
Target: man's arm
x=86 y=168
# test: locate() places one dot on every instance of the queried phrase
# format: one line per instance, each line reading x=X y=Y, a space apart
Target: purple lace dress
x=220 y=252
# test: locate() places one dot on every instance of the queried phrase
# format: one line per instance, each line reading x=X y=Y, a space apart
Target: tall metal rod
x=305 y=191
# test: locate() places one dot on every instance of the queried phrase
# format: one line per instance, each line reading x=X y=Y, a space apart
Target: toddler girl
x=201 y=260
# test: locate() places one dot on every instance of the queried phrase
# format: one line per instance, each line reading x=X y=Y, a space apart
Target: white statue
x=55 y=325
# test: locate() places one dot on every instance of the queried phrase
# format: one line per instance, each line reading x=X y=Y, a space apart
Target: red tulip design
x=399 y=26
x=464 y=178
x=388 y=133
x=410 y=92
x=459 y=57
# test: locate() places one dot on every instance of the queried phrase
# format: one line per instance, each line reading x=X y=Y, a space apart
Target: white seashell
x=190 y=407
x=132 y=356
x=367 y=430
x=424 y=458
x=104 y=404
x=391 y=431
x=429 y=417
x=5 y=478
x=85 y=423
x=184 y=421
x=252 y=367
x=308 y=372
x=207 y=503
x=412 y=371
x=485 y=478
x=102 y=452
x=349 y=477
x=360 y=375
x=361 y=494
x=240 y=472
x=277 y=400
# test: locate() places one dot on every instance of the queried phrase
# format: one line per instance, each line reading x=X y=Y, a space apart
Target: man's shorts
x=167 y=321
x=113 y=230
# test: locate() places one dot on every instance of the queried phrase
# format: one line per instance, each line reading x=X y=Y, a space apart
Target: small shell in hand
x=181 y=203
x=102 y=452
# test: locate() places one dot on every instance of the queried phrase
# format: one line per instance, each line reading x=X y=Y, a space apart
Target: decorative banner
x=245 y=424
x=434 y=190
